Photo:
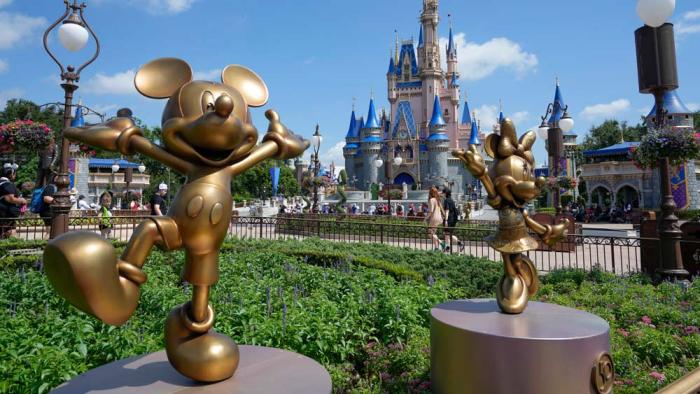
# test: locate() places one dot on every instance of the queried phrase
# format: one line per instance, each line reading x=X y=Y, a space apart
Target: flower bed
x=368 y=326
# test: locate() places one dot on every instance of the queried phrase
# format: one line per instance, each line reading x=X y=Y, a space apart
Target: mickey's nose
x=224 y=105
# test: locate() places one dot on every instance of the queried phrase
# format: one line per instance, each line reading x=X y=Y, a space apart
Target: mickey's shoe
x=196 y=350
x=84 y=269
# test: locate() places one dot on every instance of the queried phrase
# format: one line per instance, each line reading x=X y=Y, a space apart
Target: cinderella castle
x=423 y=125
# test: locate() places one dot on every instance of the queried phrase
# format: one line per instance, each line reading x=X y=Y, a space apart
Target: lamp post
x=656 y=68
x=552 y=133
x=73 y=34
x=316 y=143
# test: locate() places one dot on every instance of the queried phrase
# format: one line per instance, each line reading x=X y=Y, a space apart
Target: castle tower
x=391 y=81
x=474 y=135
x=351 y=146
x=430 y=72
x=438 y=146
x=371 y=144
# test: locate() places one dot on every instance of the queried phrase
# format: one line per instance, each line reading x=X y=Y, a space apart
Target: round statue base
x=475 y=348
x=261 y=370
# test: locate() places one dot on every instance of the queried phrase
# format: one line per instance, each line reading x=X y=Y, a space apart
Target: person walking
x=11 y=201
x=158 y=207
x=435 y=217
x=82 y=203
x=47 y=201
x=451 y=222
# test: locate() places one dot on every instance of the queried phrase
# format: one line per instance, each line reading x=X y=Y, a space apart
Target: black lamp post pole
x=657 y=72
x=70 y=76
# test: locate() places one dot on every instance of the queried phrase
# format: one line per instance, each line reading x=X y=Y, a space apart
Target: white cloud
x=208 y=75
x=685 y=28
x=4 y=3
x=333 y=154
x=488 y=116
x=4 y=66
x=695 y=107
x=309 y=60
x=119 y=83
x=478 y=61
x=605 y=111
x=8 y=94
x=170 y=7
x=692 y=15
x=15 y=28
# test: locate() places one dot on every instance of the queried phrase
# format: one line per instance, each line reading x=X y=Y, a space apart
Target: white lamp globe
x=543 y=132
x=655 y=13
x=73 y=36
x=115 y=167
x=378 y=163
x=398 y=160
x=142 y=168
x=566 y=124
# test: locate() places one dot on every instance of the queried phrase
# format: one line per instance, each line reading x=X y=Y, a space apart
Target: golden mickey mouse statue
x=510 y=183
x=208 y=136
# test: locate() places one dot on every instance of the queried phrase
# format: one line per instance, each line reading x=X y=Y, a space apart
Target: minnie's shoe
x=84 y=269
x=196 y=350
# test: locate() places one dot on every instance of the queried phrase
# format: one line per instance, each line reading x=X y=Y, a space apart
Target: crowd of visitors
x=16 y=201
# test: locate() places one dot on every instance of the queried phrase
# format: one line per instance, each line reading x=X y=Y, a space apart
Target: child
x=104 y=214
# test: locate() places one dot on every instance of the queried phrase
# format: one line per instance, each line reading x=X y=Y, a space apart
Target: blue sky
x=317 y=55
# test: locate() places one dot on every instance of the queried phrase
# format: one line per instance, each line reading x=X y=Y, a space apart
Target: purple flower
x=692 y=330
x=658 y=376
x=646 y=320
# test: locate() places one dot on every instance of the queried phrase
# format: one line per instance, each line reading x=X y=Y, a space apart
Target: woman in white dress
x=435 y=217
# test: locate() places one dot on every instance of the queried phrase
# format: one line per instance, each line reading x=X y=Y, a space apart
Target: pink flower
x=623 y=332
x=646 y=320
x=384 y=376
x=658 y=376
x=692 y=330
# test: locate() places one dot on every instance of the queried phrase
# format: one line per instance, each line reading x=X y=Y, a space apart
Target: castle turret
x=451 y=55
x=351 y=146
x=438 y=145
x=430 y=69
x=371 y=144
x=391 y=80
x=474 y=135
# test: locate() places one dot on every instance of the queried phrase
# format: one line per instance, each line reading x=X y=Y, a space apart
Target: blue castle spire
x=453 y=82
x=466 y=115
x=558 y=110
x=420 y=37
x=353 y=126
x=392 y=67
x=474 y=136
x=437 y=119
x=78 y=120
x=451 y=49
x=372 y=121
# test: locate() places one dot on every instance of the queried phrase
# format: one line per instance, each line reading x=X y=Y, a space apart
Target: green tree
x=256 y=182
x=611 y=132
x=696 y=121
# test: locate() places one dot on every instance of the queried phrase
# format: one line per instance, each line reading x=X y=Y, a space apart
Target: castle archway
x=404 y=178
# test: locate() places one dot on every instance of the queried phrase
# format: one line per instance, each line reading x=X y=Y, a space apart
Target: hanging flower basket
x=24 y=136
x=678 y=145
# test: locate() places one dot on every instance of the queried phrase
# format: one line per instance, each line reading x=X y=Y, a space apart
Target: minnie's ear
x=247 y=82
x=161 y=78
x=491 y=145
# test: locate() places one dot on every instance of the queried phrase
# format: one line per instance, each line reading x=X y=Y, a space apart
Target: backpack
x=37 y=204
x=453 y=214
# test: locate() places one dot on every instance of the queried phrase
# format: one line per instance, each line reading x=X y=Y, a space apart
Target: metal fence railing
x=620 y=255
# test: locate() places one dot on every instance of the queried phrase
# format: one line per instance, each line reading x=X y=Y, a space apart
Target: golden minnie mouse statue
x=207 y=136
x=510 y=183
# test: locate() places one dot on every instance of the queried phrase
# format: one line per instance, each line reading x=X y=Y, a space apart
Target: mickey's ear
x=247 y=82
x=161 y=78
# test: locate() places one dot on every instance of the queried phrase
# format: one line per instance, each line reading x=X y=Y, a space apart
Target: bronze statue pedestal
x=261 y=370
x=545 y=349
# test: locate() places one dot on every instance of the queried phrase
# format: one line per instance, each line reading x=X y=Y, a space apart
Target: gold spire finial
x=396 y=45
